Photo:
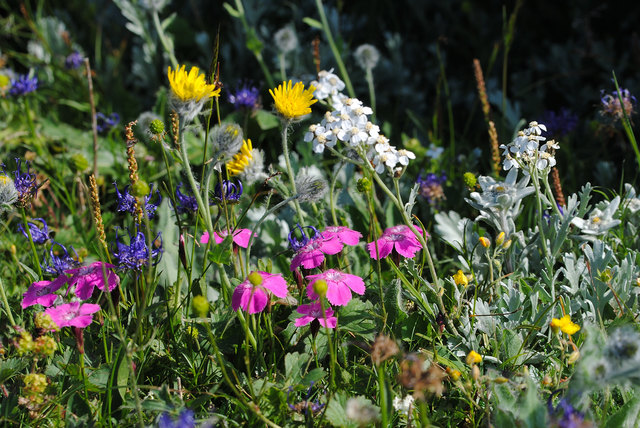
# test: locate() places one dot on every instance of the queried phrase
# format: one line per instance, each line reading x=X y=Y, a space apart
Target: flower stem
x=163 y=39
x=336 y=54
x=6 y=304
x=626 y=123
x=332 y=354
x=36 y=259
x=372 y=94
x=292 y=179
x=32 y=128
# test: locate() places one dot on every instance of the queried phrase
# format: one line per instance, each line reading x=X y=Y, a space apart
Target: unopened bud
x=140 y=189
x=500 y=238
x=200 y=305
x=475 y=372
x=363 y=185
x=573 y=357
x=320 y=287
x=500 y=380
x=255 y=278
x=507 y=244
x=156 y=127
x=485 y=242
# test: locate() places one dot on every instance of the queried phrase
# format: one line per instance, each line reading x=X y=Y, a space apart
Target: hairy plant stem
x=372 y=92
x=626 y=122
x=163 y=39
x=332 y=354
x=292 y=178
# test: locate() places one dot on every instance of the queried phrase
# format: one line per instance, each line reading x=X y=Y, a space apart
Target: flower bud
x=484 y=242
x=140 y=189
x=200 y=305
x=156 y=127
x=461 y=279
x=363 y=185
x=506 y=245
x=475 y=372
x=500 y=238
x=500 y=380
x=470 y=180
x=473 y=358
x=320 y=287
x=573 y=357
x=453 y=374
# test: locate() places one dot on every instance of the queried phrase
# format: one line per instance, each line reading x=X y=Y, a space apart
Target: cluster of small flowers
x=611 y=105
x=525 y=151
x=349 y=123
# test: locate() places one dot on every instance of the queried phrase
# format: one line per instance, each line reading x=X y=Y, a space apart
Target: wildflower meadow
x=319 y=214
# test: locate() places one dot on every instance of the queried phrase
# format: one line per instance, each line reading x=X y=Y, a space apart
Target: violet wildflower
x=245 y=97
x=24 y=182
x=127 y=202
x=185 y=203
x=185 y=419
x=310 y=252
x=229 y=192
x=339 y=286
x=559 y=123
x=59 y=259
x=136 y=255
x=241 y=237
x=39 y=236
x=400 y=238
x=23 y=85
x=41 y=292
x=253 y=294
x=307 y=404
x=74 y=314
x=312 y=312
x=564 y=415
x=106 y=123
x=431 y=188
x=87 y=278
x=610 y=104
x=73 y=60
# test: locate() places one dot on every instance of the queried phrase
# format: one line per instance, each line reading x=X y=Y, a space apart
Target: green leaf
x=231 y=10
x=267 y=120
x=313 y=23
x=294 y=364
x=627 y=416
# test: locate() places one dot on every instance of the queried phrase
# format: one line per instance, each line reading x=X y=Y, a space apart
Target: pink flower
x=339 y=286
x=88 y=277
x=252 y=295
x=399 y=237
x=41 y=292
x=73 y=314
x=314 y=312
x=241 y=237
x=344 y=234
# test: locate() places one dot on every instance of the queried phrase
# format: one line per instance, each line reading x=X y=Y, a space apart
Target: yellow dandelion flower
x=190 y=86
x=565 y=325
x=293 y=102
x=461 y=279
x=474 y=358
x=241 y=160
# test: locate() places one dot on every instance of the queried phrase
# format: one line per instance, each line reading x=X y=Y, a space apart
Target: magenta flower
x=399 y=237
x=88 y=277
x=310 y=251
x=344 y=234
x=314 y=312
x=74 y=314
x=339 y=286
x=252 y=295
x=241 y=237
x=41 y=292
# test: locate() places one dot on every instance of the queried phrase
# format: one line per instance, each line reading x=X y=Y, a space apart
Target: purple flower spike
x=136 y=255
x=245 y=97
x=58 y=263
x=23 y=85
x=39 y=236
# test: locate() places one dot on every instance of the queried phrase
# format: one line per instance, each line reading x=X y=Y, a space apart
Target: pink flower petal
x=275 y=283
x=239 y=291
x=332 y=322
x=219 y=237
x=384 y=248
x=355 y=283
x=338 y=293
x=331 y=246
x=302 y=321
x=307 y=260
x=345 y=235
x=241 y=237
x=408 y=248
x=204 y=239
x=254 y=302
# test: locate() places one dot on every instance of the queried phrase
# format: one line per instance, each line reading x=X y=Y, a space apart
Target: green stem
x=332 y=354
x=372 y=92
x=32 y=128
x=292 y=179
x=36 y=259
x=336 y=54
x=6 y=304
x=255 y=229
x=283 y=71
x=626 y=123
x=382 y=392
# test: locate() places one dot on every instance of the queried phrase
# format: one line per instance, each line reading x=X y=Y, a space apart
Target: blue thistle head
x=185 y=203
x=106 y=123
x=127 y=202
x=431 y=188
x=295 y=243
x=229 y=192
x=59 y=260
x=73 y=60
x=136 y=255
x=23 y=85
x=245 y=97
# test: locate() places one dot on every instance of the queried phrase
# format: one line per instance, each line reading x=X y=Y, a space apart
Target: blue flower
x=564 y=415
x=105 y=123
x=228 y=191
x=135 y=256
x=127 y=202
x=295 y=243
x=73 y=61
x=431 y=188
x=23 y=85
x=185 y=203
x=186 y=419
x=58 y=263
x=559 y=123
x=24 y=182
x=245 y=97
x=39 y=236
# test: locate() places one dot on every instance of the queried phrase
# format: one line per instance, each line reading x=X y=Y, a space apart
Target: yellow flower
x=565 y=325
x=293 y=102
x=461 y=279
x=190 y=86
x=241 y=160
x=473 y=358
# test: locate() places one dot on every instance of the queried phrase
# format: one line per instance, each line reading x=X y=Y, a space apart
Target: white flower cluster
x=403 y=406
x=349 y=122
x=525 y=150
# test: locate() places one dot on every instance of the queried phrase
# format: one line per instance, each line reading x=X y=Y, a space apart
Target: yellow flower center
x=293 y=101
